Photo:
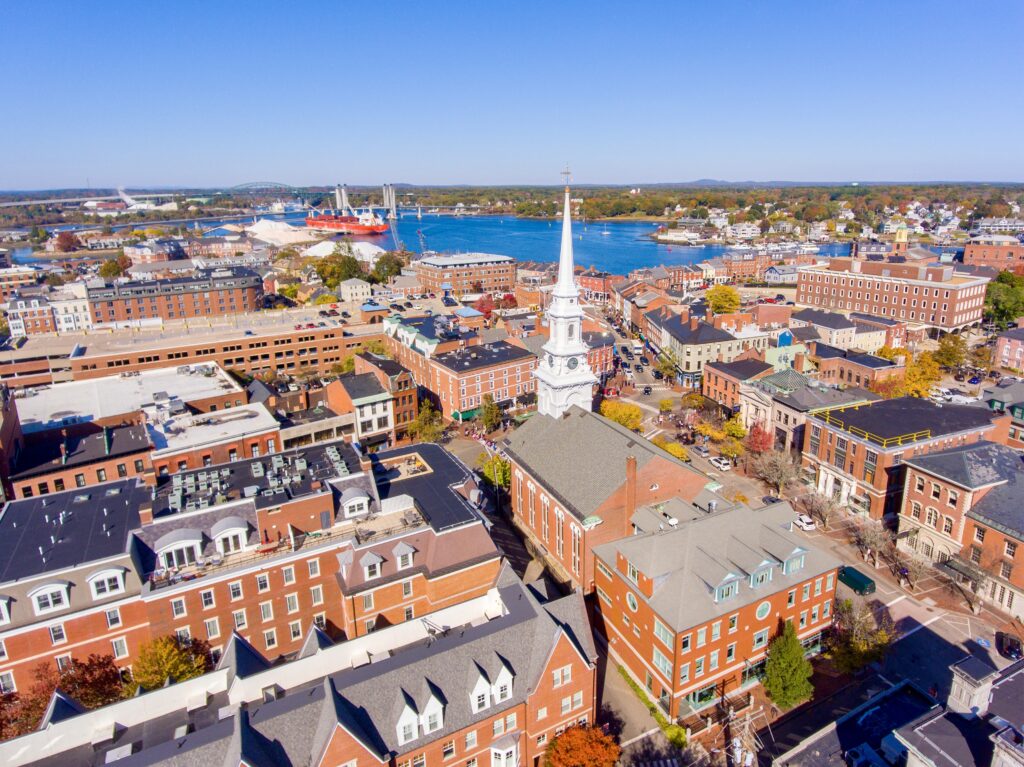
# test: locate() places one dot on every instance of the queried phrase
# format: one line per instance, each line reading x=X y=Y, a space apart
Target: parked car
x=1009 y=646
x=769 y=499
x=779 y=298
x=644 y=360
x=624 y=366
x=610 y=391
x=960 y=378
x=804 y=522
x=648 y=391
x=408 y=304
x=974 y=380
x=722 y=464
x=658 y=375
x=856 y=581
x=346 y=315
x=702 y=451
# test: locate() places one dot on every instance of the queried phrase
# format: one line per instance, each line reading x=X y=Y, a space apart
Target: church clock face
x=551 y=361
x=573 y=362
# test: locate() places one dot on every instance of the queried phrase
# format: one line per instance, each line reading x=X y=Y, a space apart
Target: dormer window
x=407 y=732
x=727 y=590
x=433 y=722
x=504 y=693
x=631 y=572
x=50 y=598
x=372 y=570
x=761 y=577
x=5 y=611
x=106 y=583
x=404 y=561
x=480 y=702
x=793 y=564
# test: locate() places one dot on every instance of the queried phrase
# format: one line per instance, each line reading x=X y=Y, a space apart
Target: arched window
x=571 y=331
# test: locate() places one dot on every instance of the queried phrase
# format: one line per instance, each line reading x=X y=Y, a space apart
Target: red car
x=611 y=391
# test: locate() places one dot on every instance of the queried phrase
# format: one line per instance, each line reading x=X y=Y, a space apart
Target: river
x=617 y=246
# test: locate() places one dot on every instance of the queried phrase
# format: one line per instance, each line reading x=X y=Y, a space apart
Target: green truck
x=856 y=581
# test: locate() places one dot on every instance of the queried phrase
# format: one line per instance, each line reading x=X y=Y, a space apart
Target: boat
x=357 y=223
x=605 y=232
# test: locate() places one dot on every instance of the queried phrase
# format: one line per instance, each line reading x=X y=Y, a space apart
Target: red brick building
x=690 y=609
x=999 y=251
x=397 y=380
x=856 y=454
x=14 y=278
x=466 y=273
x=722 y=380
x=844 y=367
x=931 y=294
x=963 y=509
x=229 y=549
x=209 y=293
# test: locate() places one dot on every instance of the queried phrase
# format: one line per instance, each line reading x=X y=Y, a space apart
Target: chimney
x=798 y=362
x=146 y=512
x=694 y=323
x=630 y=487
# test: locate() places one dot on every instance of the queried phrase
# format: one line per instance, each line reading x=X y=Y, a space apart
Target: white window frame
x=114 y=648
x=48 y=591
x=103 y=578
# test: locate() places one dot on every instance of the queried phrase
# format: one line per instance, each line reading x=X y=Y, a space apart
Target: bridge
x=97 y=198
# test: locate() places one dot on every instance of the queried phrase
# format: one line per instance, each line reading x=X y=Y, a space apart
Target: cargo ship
x=345 y=220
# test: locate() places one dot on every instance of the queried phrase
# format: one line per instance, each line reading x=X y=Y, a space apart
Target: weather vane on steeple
x=567 y=175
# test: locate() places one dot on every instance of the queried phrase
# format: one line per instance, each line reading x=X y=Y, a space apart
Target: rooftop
x=362 y=387
x=44 y=455
x=463 y=259
x=682 y=331
x=64 y=530
x=482 y=356
x=824 y=351
x=63 y=404
x=186 y=431
x=892 y=423
x=742 y=370
x=831 y=320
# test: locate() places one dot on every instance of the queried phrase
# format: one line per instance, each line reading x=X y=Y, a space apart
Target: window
x=631 y=601
x=317 y=595
x=448 y=750
x=270 y=639
x=542 y=713
x=947 y=525
x=791 y=598
x=235 y=590
x=106 y=584
x=177 y=608
x=498 y=726
x=702 y=637
x=979 y=534
x=760 y=638
x=239 y=618
x=733 y=623
x=404 y=561
x=119 y=648
x=805 y=592
x=409 y=613
x=7 y=683
x=266 y=611
x=684 y=645
x=113 y=618
x=684 y=673
x=510 y=722
x=817 y=587
x=631 y=572
x=372 y=570
x=1011 y=549
x=663 y=664
x=662 y=633
x=50 y=599
x=952 y=498
x=291 y=603
x=561 y=676
x=406 y=588
x=212 y=626
x=262 y=582
x=698 y=667
x=471 y=739
x=368 y=601
x=314 y=567
x=826 y=608
x=57 y=635
x=713 y=660
x=730 y=653
x=288 y=574
x=1005 y=570
x=716 y=630
x=803 y=619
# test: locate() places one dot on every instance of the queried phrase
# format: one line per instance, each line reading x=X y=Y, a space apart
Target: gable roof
x=831 y=320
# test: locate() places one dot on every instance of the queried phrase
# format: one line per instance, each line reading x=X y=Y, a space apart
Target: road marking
x=920 y=626
x=900 y=598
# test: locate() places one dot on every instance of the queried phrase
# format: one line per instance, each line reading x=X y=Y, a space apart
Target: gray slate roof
x=598 y=449
x=830 y=320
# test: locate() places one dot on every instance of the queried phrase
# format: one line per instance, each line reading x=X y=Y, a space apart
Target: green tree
x=952 y=350
x=623 y=413
x=110 y=269
x=723 y=299
x=168 y=657
x=338 y=267
x=734 y=428
x=289 y=291
x=388 y=265
x=428 y=425
x=495 y=470
x=1004 y=298
x=490 y=414
x=54 y=280
x=326 y=298
x=787 y=673
x=668 y=365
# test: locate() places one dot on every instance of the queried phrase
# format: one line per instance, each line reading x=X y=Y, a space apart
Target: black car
x=648 y=391
x=658 y=375
x=346 y=315
x=1009 y=645
x=624 y=349
x=408 y=304
x=769 y=499
x=644 y=360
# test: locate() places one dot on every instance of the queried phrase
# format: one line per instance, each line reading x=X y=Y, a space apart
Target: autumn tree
x=982 y=357
x=623 y=413
x=168 y=657
x=110 y=269
x=787 y=673
x=723 y=299
x=666 y=405
x=388 y=265
x=490 y=414
x=485 y=305
x=582 y=747
x=873 y=540
x=734 y=428
x=776 y=469
x=495 y=470
x=67 y=242
x=428 y=425
x=94 y=682
x=820 y=507
x=952 y=351
x=889 y=353
x=338 y=267
x=857 y=637
x=760 y=440
x=672 y=448
x=921 y=375
x=731 y=448
x=668 y=365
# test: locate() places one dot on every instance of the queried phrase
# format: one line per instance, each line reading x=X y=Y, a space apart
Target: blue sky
x=215 y=94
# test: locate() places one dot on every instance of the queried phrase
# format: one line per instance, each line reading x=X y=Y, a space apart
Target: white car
x=722 y=464
x=804 y=522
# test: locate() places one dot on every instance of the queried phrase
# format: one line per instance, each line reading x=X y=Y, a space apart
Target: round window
x=631 y=601
x=763 y=609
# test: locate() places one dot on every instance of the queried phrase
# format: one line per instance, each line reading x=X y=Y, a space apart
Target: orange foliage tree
x=582 y=747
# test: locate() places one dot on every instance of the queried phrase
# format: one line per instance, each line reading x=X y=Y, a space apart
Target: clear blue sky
x=220 y=93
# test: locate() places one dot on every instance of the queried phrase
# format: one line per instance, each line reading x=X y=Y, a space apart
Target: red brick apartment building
x=844 y=367
x=1009 y=352
x=999 y=251
x=14 y=278
x=722 y=380
x=577 y=482
x=263 y=548
x=856 y=454
x=934 y=295
x=466 y=273
x=492 y=684
x=210 y=293
x=279 y=350
x=458 y=371
x=690 y=610
x=400 y=383
x=964 y=509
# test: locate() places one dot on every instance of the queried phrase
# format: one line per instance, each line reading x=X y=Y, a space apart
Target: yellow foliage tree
x=922 y=374
x=623 y=413
x=731 y=448
x=674 y=449
x=723 y=299
x=734 y=428
x=165 y=657
x=709 y=430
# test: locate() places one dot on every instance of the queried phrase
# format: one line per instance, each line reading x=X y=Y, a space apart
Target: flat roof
x=482 y=356
x=188 y=431
x=49 y=407
x=44 y=455
x=73 y=520
x=905 y=420
x=463 y=259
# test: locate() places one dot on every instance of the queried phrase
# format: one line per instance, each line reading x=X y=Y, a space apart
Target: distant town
x=283 y=484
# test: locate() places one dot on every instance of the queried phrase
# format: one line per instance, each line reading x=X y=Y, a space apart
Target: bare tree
x=873 y=540
x=977 y=575
x=820 y=507
x=914 y=570
x=777 y=469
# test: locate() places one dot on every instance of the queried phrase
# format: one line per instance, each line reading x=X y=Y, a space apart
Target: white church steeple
x=564 y=377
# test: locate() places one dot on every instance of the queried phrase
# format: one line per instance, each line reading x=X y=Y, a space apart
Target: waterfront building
x=155 y=250
x=212 y=292
x=1003 y=225
x=466 y=274
x=856 y=454
x=936 y=296
x=14 y=278
x=999 y=251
